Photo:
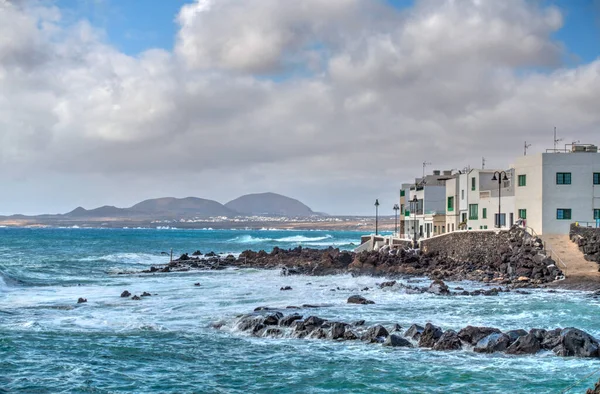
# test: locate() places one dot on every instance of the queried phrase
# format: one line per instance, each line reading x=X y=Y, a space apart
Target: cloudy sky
x=333 y=102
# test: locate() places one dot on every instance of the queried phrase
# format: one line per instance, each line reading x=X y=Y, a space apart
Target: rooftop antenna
x=526 y=146
x=556 y=141
x=425 y=164
x=483 y=163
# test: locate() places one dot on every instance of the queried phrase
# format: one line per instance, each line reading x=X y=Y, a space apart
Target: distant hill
x=184 y=207
x=168 y=207
x=269 y=204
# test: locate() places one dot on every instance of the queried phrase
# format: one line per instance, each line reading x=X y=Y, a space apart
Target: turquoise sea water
x=166 y=344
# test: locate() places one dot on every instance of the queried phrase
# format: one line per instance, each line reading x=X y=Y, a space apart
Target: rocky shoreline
x=267 y=322
x=520 y=263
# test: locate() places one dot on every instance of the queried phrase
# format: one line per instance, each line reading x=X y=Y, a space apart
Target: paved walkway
x=579 y=273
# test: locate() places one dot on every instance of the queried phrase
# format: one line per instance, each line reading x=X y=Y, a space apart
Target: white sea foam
x=245 y=239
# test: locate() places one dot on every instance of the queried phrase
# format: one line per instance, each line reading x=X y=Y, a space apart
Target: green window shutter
x=472 y=183
x=484 y=213
x=522 y=180
x=596 y=178
x=450 y=203
x=596 y=214
x=563 y=214
x=522 y=214
x=401 y=193
x=473 y=211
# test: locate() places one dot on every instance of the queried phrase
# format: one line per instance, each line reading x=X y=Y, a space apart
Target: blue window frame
x=563 y=214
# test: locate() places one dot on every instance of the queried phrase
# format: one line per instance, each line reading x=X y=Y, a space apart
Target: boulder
x=359 y=323
x=387 y=284
x=526 y=344
x=350 y=335
x=286 y=288
x=574 y=342
x=136 y=298
x=395 y=340
x=396 y=328
x=289 y=319
x=249 y=322
x=356 y=299
x=377 y=333
x=125 y=294
x=414 y=332
x=448 y=341
x=430 y=335
x=338 y=330
x=438 y=287
x=551 y=339
x=146 y=294
x=473 y=334
x=273 y=333
x=495 y=342
x=513 y=335
x=184 y=257
x=273 y=319
x=197 y=253
x=81 y=300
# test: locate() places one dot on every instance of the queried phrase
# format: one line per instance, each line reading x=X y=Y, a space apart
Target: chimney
x=436 y=172
x=447 y=172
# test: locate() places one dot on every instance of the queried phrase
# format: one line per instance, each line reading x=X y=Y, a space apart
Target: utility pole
x=526 y=146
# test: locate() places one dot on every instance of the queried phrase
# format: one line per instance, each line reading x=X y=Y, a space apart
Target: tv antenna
x=527 y=146
x=556 y=141
x=483 y=163
x=425 y=164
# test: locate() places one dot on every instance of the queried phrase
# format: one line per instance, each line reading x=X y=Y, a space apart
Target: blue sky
x=134 y=25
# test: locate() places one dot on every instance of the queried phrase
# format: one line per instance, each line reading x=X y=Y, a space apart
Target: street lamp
x=415 y=203
x=501 y=177
x=396 y=209
x=376 y=215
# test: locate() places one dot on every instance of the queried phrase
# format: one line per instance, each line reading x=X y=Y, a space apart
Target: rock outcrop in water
x=519 y=263
x=568 y=342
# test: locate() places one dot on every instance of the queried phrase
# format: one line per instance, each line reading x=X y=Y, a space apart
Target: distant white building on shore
x=557 y=188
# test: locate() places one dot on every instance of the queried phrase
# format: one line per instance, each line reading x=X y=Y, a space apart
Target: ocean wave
x=246 y=239
x=130 y=258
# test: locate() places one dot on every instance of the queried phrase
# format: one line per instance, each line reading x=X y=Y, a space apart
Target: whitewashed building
x=557 y=188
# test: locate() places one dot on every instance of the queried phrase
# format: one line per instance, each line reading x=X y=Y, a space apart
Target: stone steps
x=576 y=265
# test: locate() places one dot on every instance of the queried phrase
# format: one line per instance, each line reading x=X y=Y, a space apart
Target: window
x=451 y=203
x=596 y=178
x=596 y=214
x=402 y=193
x=522 y=214
x=462 y=194
x=473 y=211
x=473 y=183
x=464 y=217
x=563 y=214
x=502 y=220
x=522 y=180
x=484 y=213
x=563 y=178
x=443 y=229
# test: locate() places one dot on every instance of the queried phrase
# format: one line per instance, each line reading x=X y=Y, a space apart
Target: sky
x=333 y=102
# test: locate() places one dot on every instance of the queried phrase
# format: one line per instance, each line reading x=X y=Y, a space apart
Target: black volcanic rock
x=269 y=204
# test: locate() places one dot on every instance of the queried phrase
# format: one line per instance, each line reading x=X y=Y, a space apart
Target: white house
x=555 y=189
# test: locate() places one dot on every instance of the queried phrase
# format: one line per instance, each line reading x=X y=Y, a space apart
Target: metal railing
x=553 y=255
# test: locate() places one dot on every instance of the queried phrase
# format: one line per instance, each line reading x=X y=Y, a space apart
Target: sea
x=168 y=343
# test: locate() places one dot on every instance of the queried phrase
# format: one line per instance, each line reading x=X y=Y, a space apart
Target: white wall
x=580 y=196
x=529 y=197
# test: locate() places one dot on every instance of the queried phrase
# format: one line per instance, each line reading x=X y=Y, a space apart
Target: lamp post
x=501 y=177
x=376 y=215
x=396 y=209
x=415 y=202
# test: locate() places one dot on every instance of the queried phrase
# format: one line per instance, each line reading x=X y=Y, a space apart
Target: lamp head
x=494 y=177
x=377 y=202
x=505 y=178
x=415 y=199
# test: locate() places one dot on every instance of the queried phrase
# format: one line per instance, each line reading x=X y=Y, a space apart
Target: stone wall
x=469 y=246
x=588 y=240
